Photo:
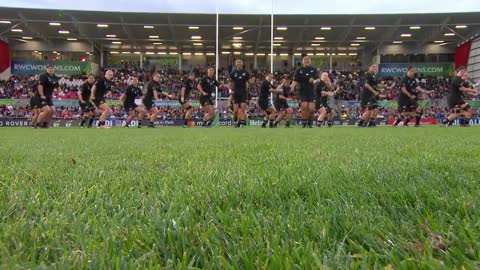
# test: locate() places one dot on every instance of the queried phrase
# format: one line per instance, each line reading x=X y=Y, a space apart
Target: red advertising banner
x=4 y=56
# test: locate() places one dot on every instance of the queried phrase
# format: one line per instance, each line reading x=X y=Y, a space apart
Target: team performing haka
x=312 y=90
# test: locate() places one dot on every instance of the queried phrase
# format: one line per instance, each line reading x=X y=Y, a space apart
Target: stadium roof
x=128 y=31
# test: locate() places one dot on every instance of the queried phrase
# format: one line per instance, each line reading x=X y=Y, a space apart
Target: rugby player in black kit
x=266 y=88
x=369 y=96
x=281 y=103
x=46 y=83
x=34 y=103
x=128 y=98
x=88 y=109
x=99 y=90
x=306 y=77
x=323 y=91
x=407 y=99
x=455 y=98
x=240 y=78
x=153 y=92
x=207 y=88
x=184 y=97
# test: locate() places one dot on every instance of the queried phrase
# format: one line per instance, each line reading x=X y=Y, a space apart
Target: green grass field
x=225 y=198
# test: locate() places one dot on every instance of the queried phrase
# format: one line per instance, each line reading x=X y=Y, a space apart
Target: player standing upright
x=306 y=77
x=184 y=97
x=207 y=88
x=34 y=103
x=88 y=109
x=240 y=78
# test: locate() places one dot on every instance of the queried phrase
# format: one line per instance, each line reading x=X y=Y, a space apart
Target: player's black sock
x=319 y=123
x=361 y=123
x=466 y=122
x=264 y=124
x=398 y=120
x=418 y=117
x=372 y=123
x=461 y=121
x=450 y=123
x=272 y=123
x=84 y=119
x=330 y=123
x=242 y=123
x=185 y=122
x=309 y=124
x=303 y=122
x=151 y=124
x=45 y=124
x=287 y=124
x=90 y=122
x=407 y=120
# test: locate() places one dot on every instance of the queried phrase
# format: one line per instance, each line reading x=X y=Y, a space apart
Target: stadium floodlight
x=397 y=42
x=153 y=37
x=196 y=37
x=320 y=54
x=193 y=27
x=237 y=44
x=237 y=28
x=282 y=28
x=319 y=38
x=173 y=53
x=210 y=53
x=355 y=44
x=237 y=38
x=111 y=36
x=449 y=34
x=116 y=42
x=161 y=53
x=326 y=28
x=342 y=54
x=198 y=54
x=297 y=54
x=187 y=53
x=260 y=54
x=72 y=39
x=136 y=52
x=54 y=24
x=5 y=22
x=406 y=35
x=370 y=28
x=27 y=38
x=102 y=25
x=149 y=53
x=278 y=38
x=284 y=54
x=352 y=54
x=148 y=27
x=249 y=54
x=114 y=52
x=439 y=41
x=310 y=54
x=415 y=27
x=315 y=44
x=237 y=53
x=65 y=32
x=125 y=52
x=17 y=30
x=197 y=44
x=225 y=53
x=461 y=26
x=157 y=43
x=361 y=38
x=276 y=44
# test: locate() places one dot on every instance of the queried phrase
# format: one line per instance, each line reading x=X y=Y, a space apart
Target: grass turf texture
x=251 y=198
